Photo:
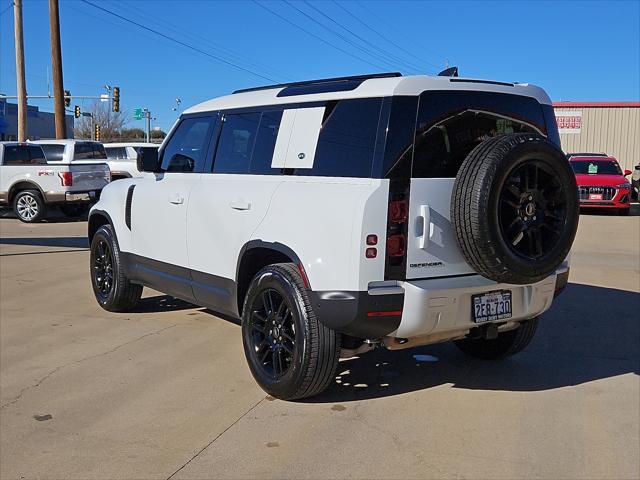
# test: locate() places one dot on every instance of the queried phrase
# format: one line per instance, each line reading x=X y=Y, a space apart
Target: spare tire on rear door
x=514 y=208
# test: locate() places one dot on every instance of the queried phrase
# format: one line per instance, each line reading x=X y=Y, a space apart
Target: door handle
x=176 y=199
x=240 y=205
x=425 y=215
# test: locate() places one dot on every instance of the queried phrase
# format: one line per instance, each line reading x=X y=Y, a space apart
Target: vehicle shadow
x=54 y=215
x=590 y=333
x=70 y=242
x=161 y=303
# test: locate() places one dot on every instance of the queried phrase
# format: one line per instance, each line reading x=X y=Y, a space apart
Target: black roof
x=331 y=84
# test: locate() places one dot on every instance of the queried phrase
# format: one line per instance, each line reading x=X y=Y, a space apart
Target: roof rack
x=356 y=78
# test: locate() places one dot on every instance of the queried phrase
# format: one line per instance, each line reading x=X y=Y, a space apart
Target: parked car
x=122 y=158
x=338 y=215
x=30 y=184
x=635 y=182
x=601 y=183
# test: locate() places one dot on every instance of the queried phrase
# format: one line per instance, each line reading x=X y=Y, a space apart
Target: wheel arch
x=24 y=185
x=97 y=218
x=254 y=256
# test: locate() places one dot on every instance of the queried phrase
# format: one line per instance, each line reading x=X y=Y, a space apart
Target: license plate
x=595 y=196
x=492 y=306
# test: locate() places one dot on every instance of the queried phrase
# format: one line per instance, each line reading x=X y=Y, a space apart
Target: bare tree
x=111 y=123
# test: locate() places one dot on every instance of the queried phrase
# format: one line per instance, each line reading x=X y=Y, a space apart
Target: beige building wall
x=612 y=130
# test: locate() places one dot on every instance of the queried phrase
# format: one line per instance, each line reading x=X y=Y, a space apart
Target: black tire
x=73 y=211
x=111 y=287
x=508 y=343
x=514 y=208
x=290 y=353
x=29 y=206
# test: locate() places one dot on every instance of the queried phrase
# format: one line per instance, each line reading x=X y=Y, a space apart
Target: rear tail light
x=371 y=253
x=396 y=245
x=396 y=241
x=66 y=178
x=398 y=211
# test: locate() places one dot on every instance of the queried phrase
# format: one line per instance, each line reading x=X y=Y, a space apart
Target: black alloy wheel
x=290 y=353
x=273 y=337
x=102 y=269
x=532 y=210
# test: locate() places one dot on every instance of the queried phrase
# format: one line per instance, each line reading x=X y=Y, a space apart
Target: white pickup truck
x=29 y=184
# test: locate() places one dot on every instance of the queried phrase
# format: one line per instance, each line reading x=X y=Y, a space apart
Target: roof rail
x=360 y=78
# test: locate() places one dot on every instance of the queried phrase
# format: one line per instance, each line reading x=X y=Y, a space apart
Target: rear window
x=53 y=153
x=116 y=153
x=347 y=139
x=23 y=155
x=600 y=167
x=451 y=123
x=89 y=151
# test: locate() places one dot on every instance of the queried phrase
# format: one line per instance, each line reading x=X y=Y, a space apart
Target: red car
x=601 y=183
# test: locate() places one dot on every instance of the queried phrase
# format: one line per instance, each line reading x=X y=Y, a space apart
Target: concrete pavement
x=165 y=392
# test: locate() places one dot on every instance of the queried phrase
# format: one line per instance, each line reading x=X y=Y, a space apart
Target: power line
x=376 y=48
x=276 y=14
x=342 y=37
x=199 y=38
x=384 y=22
x=191 y=47
x=384 y=37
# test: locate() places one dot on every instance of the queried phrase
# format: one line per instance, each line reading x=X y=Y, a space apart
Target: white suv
x=337 y=215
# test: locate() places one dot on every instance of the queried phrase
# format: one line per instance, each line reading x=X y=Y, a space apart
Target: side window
x=116 y=153
x=265 y=144
x=16 y=155
x=83 y=151
x=186 y=149
x=236 y=143
x=37 y=156
x=54 y=153
x=347 y=139
x=98 y=152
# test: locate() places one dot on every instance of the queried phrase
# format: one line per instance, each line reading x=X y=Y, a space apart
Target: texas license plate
x=595 y=196
x=492 y=306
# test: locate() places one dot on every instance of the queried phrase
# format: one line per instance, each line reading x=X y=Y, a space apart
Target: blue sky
x=575 y=50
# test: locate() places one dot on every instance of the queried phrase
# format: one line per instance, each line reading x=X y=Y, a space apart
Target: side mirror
x=627 y=172
x=181 y=163
x=147 y=160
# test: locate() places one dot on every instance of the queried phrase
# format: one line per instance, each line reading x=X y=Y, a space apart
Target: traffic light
x=67 y=98
x=97 y=133
x=76 y=111
x=115 y=106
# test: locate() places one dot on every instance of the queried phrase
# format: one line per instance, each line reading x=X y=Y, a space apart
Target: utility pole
x=148 y=117
x=56 y=67
x=20 y=78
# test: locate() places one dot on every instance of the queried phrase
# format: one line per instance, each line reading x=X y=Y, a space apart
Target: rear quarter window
x=347 y=139
x=53 y=153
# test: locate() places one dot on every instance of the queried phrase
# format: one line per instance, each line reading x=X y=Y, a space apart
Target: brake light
x=398 y=211
x=392 y=313
x=396 y=245
x=66 y=178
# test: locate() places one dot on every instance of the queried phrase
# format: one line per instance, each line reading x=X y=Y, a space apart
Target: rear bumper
x=88 y=196
x=441 y=306
x=433 y=307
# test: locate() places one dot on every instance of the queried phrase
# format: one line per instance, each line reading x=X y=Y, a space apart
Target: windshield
x=116 y=153
x=598 y=167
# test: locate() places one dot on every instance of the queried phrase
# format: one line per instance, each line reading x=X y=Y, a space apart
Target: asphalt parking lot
x=165 y=392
